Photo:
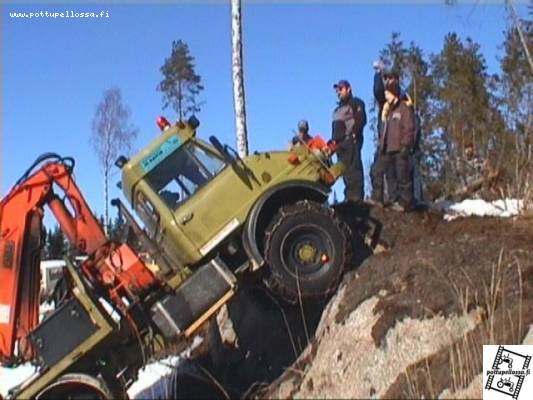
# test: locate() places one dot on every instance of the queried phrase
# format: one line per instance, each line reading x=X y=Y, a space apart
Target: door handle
x=186 y=218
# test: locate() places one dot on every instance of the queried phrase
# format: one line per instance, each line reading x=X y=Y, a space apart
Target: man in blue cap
x=349 y=120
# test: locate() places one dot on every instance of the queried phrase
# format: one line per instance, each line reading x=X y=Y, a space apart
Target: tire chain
x=272 y=281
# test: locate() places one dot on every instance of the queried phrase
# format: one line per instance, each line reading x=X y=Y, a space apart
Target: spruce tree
x=464 y=110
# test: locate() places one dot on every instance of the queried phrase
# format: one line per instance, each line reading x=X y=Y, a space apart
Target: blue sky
x=55 y=70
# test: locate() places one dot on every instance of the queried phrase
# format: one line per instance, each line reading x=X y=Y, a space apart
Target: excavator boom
x=21 y=213
x=113 y=312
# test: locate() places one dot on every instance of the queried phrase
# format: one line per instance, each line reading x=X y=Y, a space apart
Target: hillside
x=408 y=319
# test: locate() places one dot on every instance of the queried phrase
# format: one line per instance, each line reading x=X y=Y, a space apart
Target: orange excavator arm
x=21 y=214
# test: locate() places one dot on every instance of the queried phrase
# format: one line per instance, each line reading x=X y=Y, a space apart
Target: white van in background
x=51 y=273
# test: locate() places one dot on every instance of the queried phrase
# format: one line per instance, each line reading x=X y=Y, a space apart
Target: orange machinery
x=114 y=268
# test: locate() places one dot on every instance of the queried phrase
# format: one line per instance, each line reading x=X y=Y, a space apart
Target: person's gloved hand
x=405 y=152
x=378 y=65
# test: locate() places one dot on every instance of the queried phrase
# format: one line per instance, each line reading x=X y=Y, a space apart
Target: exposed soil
x=430 y=264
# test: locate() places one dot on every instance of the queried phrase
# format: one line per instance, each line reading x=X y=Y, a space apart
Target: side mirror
x=121 y=161
x=193 y=122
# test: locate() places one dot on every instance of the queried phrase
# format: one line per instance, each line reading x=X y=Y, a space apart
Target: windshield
x=182 y=173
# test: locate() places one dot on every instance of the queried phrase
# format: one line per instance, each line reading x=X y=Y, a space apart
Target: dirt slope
x=410 y=321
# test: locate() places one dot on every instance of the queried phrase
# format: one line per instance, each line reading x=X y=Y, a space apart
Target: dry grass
x=414 y=389
x=465 y=355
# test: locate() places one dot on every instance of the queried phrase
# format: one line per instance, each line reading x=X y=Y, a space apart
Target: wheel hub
x=307 y=253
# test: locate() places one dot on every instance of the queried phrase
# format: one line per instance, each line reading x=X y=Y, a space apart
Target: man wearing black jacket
x=349 y=120
x=382 y=78
x=396 y=142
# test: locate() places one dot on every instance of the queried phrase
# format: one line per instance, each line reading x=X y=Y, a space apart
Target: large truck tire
x=77 y=387
x=307 y=247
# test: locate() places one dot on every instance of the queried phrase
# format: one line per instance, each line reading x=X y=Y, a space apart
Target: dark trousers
x=390 y=179
x=418 y=187
x=402 y=166
x=349 y=153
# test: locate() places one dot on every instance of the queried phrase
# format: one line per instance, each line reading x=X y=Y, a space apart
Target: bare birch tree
x=238 y=79
x=112 y=135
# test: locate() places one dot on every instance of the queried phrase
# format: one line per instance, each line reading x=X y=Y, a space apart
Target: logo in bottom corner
x=506 y=372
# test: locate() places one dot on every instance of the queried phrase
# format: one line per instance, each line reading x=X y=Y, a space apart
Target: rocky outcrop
x=411 y=321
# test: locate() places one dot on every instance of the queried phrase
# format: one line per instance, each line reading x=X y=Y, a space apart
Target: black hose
x=67 y=161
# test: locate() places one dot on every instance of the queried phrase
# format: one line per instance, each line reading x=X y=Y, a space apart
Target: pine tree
x=117 y=229
x=181 y=85
x=55 y=245
x=394 y=54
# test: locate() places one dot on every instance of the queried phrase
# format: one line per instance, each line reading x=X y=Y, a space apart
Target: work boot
x=397 y=207
x=375 y=203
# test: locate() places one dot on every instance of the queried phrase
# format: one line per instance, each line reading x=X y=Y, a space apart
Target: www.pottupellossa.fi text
x=62 y=14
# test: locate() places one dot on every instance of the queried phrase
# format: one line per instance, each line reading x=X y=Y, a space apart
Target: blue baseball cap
x=341 y=83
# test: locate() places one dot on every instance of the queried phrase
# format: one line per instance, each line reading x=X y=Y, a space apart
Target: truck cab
x=192 y=195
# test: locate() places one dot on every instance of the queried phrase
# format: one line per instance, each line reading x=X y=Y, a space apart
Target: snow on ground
x=151 y=380
x=10 y=377
x=154 y=380
x=477 y=207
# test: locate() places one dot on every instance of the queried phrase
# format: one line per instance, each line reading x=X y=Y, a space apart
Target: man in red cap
x=349 y=120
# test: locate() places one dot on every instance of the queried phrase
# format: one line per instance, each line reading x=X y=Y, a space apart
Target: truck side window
x=148 y=213
x=182 y=173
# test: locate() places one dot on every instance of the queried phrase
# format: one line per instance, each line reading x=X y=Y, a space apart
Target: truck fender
x=267 y=205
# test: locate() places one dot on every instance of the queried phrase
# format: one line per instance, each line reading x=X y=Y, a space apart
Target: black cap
x=394 y=88
x=342 y=83
x=303 y=125
x=393 y=73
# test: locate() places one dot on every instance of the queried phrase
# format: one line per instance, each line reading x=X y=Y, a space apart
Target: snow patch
x=150 y=375
x=150 y=378
x=154 y=380
x=480 y=208
x=11 y=377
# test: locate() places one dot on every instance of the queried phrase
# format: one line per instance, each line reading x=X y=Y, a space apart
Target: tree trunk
x=516 y=21
x=106 y=195
x=238 y=79
x=180 y=94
